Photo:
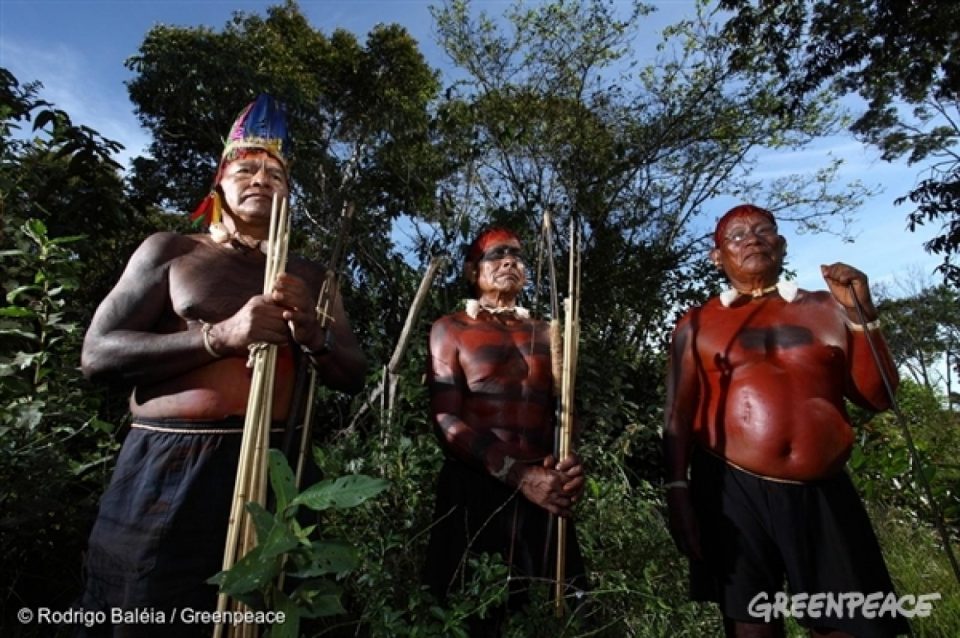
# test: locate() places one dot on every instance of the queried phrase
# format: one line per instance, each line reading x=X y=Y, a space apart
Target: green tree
x=923 y=332
x=361 y=130
x=900 y=58
x=53 y=448
x=550 y=112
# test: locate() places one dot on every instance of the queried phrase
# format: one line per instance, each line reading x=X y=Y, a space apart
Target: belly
x=214 y=391
x=779 y=426
x=525 y=424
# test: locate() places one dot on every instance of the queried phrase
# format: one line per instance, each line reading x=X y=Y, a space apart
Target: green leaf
x=17 y=312
x=100 y=425
x=67 y=239
x=318 y=598
x=343 y=492
x=279 y=541
x=36 y=228
x=26 y=359
x=263 y=520
x=330 y=557
x=290 y=627
x=248 y=574
x=282 y=479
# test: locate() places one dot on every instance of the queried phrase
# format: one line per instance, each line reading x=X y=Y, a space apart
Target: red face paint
x=487 y=239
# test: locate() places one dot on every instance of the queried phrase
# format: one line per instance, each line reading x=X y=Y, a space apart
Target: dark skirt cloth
x=162 y=525
x=754 y=532
x=475 y=514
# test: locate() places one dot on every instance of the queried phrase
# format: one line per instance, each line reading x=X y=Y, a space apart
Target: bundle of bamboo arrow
x=571 y=339
x=251 y=481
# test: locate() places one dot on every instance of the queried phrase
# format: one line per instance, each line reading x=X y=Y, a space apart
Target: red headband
x=486 y=239
x=737 y=212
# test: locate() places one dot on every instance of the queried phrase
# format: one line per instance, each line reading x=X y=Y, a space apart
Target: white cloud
x=72 y=84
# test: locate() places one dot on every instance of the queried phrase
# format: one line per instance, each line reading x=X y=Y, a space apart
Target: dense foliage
x=548 y=112
x=901 y=58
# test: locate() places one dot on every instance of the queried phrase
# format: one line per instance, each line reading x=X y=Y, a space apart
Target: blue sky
x=76 y=48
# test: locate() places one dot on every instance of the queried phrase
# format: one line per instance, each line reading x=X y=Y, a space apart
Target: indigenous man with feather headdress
x=177 y=327
x=491 y=398
x=755 y=412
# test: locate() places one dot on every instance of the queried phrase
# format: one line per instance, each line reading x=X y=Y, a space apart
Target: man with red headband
x=492 y=404
x=177 y=327
x=755 y=412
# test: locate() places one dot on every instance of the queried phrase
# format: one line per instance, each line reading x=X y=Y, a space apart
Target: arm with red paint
x=683 y=388
x=865 y=385
x=518 y=463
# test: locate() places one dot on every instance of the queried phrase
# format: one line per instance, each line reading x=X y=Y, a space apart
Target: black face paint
x=501 y=252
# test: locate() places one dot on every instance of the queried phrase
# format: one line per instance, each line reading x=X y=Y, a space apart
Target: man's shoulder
x=454 y=319
x=693 y=313
x=165 y=245
x=816 y=296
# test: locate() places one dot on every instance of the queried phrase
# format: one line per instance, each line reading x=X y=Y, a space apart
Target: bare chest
x=497 y=354
x=776 y=334
x=211 y=283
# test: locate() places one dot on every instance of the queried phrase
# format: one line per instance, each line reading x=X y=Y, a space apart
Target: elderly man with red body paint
x=755 y=412
x=492 y=402
x=177 y=327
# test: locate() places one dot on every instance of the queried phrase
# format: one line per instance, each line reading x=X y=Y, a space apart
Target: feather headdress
x=262 y=126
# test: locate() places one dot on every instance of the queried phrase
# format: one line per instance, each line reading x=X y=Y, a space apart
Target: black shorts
x=756 y=532
x=162 y=525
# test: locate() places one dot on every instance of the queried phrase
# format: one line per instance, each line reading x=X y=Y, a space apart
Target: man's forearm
x=136 y=358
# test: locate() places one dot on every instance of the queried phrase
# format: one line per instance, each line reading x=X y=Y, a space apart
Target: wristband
x=326 y=348
x=870 y=325
x=205 y=331
x=675 y=485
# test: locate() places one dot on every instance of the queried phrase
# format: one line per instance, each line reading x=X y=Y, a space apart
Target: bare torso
x=495 y=375
x=210 y=282
x=772 y=381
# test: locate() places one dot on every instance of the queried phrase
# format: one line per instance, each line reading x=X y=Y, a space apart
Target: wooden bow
x=563 y=351
x=327 y=298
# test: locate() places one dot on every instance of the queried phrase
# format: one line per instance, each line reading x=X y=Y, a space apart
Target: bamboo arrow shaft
x=251 y=479
x=571 y=338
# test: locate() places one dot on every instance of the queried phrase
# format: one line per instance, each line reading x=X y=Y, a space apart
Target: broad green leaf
x=279 y=540
x=263 y=520
x=345 y=491
x=290 y=627
x=248 y=574
x=282 y=479
x=330 y=557
x=35 y=228
x=318 y=598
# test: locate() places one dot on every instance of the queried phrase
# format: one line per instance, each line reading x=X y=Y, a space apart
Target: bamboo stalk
x=571 y=335
x=251 y=479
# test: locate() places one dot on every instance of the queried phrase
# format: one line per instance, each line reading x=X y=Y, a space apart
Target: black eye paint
x=501 y=252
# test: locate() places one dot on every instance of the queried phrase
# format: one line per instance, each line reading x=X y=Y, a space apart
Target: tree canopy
x=901 y=58
x=548 y=109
